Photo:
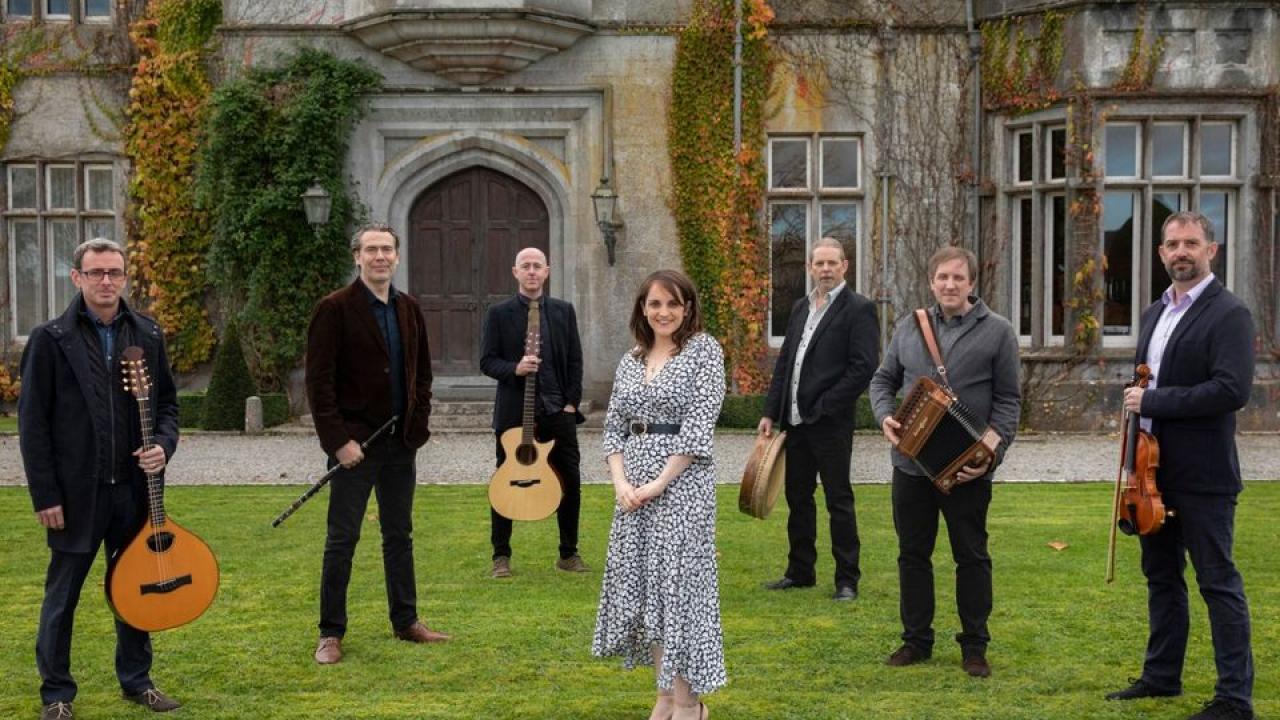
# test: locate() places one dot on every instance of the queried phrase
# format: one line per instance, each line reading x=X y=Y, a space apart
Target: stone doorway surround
x=554 y=141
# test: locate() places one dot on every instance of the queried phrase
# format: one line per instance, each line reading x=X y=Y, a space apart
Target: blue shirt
x=384 y=313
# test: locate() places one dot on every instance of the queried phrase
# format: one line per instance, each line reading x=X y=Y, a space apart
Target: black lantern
x=316 y=202
x=605 y=201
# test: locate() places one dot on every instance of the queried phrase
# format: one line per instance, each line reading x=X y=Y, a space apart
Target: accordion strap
x=926 y=329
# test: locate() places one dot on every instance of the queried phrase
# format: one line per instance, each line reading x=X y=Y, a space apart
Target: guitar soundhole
x=160 y=542
x=527 y=454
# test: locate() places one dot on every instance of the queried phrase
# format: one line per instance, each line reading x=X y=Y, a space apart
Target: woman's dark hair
x=681 y=288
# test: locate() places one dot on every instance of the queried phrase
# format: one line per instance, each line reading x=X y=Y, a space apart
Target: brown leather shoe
x=56 y=711
x=573 y=563
x=420 y=633
x=329 y=651
x=153 y=700
x=977 y=666
x=501 y=567
x=907 y=655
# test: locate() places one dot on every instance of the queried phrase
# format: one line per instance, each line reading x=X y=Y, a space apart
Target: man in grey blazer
x=980 y=352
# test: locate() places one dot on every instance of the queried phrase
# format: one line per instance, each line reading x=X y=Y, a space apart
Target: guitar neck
x=531 y=347
x=155 y=493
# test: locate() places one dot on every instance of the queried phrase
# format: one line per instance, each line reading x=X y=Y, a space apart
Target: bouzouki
x=525 y=486
x=165 y=576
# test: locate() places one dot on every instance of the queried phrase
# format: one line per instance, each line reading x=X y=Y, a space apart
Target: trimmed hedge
x=275 y=409
x=190 y=409
x=744 y=411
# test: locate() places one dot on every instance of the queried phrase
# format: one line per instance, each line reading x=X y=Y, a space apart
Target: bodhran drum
x=762 y=480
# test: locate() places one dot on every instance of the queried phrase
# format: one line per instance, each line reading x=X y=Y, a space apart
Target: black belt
x=640 y=427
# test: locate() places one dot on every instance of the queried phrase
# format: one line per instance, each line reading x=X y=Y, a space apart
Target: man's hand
x=973 y=472
x=890 y=428
x=1133 y=399
x=765 y=427
x=527 y=365
x=150 y=459
x=350 y=455
x=570 y=409
x=51 y=517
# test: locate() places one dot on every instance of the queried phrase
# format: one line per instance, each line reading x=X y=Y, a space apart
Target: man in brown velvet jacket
x=368 y=361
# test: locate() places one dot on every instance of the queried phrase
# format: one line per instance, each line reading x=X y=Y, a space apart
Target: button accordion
x=941 y=435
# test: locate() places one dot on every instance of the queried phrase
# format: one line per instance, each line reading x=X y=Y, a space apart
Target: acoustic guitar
x=165 y=576
x=525 y=486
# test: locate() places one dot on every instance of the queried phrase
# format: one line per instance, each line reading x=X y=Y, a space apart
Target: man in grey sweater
x=980 y=352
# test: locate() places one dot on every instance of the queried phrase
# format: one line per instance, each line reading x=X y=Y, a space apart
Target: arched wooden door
x=464 y=233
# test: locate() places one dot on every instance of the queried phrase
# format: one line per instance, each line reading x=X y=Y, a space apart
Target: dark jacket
x=502 y=346
x=838 y=364
x=65 y=424
x=349 y=373
x=1205 y=377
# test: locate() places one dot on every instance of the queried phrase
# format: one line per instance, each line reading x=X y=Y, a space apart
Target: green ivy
x=272 y=133
x=718 y=194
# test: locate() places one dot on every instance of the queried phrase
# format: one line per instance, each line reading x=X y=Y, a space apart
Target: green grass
x=521 y=647
x=8 y=423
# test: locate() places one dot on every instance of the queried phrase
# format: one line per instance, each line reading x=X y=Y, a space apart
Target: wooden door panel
x=464 y=233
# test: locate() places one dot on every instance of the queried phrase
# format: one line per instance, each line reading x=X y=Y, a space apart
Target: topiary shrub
x=229 y=386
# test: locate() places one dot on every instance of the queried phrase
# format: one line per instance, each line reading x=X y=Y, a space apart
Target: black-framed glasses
x=97 y=274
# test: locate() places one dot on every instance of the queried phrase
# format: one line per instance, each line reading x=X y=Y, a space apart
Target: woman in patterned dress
x=660 y=600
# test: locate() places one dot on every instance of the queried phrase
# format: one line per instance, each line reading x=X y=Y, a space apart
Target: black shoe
x=56 y=711
x=153 y=700
x=785 y=583
x=1219 y=709
x=907 y=655
x=1140 y=688
x=844 y=592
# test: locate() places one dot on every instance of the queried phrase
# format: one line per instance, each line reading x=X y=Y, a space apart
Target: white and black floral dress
x=660 y=578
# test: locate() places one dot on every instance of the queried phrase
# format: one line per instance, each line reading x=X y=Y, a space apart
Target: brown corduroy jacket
x=349 y=373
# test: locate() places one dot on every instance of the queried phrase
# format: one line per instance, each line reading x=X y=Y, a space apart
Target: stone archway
x=463 y=232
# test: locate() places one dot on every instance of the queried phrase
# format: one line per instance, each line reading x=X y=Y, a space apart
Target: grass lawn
x=521 y=647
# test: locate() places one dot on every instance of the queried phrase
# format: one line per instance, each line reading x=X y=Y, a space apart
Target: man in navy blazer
x=1199 y=343
x=827 y=359
x=557 y=372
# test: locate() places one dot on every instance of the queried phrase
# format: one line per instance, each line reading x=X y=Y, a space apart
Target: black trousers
x=118 y=519
x=1203 y=528
x=565 y=458
x=916 y=504
x=388 y=470
x=813 y=451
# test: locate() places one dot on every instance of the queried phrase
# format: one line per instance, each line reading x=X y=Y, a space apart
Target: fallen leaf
x=1058 y=545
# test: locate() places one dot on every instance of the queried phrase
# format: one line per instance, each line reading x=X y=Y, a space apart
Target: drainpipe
x=975 y=141
x=888 y=42
x=737 y=77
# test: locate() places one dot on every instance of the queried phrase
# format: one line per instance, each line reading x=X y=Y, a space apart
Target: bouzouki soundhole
x=160 y=542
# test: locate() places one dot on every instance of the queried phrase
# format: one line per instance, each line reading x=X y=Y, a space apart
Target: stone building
x=499 y=119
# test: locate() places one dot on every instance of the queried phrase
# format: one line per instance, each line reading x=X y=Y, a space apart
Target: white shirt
x=815 y=316
x=1174 y=310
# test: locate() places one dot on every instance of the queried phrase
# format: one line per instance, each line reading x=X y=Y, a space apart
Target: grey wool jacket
x=980 y=352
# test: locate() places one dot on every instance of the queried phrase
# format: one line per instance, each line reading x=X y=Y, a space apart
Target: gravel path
x=292 y=456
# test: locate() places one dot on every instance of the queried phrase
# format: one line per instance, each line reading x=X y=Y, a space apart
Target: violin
x=1138 y=508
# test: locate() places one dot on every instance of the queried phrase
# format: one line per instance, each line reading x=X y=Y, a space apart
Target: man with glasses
x=368 y=363
x=86 y=468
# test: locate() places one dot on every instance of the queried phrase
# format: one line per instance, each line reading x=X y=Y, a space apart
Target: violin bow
x=324 y=480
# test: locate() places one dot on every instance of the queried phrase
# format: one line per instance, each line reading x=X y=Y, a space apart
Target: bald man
x=557 y=372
